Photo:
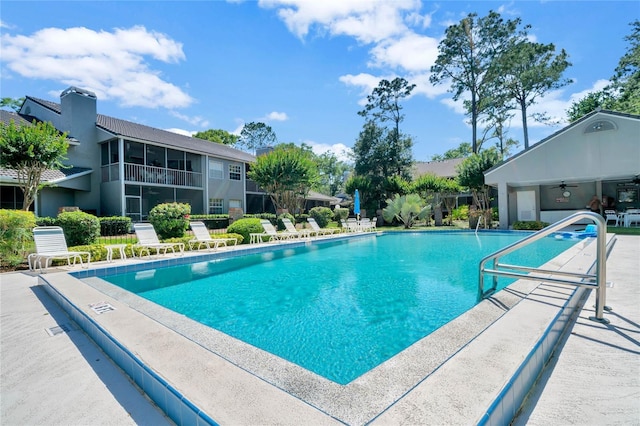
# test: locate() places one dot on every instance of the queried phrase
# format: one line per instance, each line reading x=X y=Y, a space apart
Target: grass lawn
x=623 y=231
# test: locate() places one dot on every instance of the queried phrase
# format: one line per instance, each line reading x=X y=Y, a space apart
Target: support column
x=503 y=205
x=123 y=203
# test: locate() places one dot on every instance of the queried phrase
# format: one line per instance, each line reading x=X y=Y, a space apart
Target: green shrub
x=268 y=216
x=340 y=214
x=170 y=219
x=46 y=221
x=289 y=216
x=212 y=221
x=15 y=236
x=322 y=215
x=245 y=227
x=79 y=228
x=114 y=225
x=98 y=252
x=529 y=225
x=461 y=213
x=239 y=238
x=185 y=240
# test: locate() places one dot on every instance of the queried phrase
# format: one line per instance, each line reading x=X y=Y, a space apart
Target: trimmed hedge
x=245 y=227
x=340 y=214
x=322 y=215
x=79 y=228
x=46 y=221
x=114 y=225
x=170 y=219
x=16 y=236
x=529 y=225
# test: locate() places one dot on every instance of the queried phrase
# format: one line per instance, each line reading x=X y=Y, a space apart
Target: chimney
x=78 y=112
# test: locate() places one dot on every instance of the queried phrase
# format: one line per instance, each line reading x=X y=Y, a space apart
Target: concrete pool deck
x=66 y=379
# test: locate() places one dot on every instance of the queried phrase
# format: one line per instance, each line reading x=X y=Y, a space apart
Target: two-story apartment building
x=122 y=168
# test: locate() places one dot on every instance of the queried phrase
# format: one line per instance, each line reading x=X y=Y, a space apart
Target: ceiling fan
x=636 y=180
x=563 y=187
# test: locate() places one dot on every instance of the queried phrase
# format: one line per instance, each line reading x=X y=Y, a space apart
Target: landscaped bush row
x=529 y=225
x=269 y=216
x=15 y=236
x=79 y=228
x=99 y=252
x=212 y=221
x=114 y=225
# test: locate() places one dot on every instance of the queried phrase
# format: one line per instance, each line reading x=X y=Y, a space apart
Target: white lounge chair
x=631 y=216
x=365 y=225
x=50 y=245
x=148 y=240
x=291 y=229
x=270 y=233
x=353 y=225
x=612 y=215
x=321 y=231
x=203 y=237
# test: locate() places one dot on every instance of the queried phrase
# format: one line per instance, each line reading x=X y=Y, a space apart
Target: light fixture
x=566 y=194
x=600 y=126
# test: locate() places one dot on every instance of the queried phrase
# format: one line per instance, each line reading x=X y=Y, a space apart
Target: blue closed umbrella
x=356 y=204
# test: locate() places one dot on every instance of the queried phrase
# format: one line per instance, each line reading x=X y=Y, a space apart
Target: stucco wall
x=577 y=156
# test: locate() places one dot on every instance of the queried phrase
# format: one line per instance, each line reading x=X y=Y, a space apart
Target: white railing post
x=600 y=276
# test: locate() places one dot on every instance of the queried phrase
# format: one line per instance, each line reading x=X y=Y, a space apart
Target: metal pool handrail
x=597 y=281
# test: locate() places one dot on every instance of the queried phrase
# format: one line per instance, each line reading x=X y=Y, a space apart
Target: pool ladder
x=596 y=281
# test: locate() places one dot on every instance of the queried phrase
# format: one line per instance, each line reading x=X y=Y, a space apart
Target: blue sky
x=303 y=67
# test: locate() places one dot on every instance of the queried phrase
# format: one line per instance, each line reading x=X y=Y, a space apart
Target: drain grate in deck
x=59 y=329
x=101 y=307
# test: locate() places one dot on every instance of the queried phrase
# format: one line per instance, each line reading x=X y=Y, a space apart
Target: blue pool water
x=338 y=308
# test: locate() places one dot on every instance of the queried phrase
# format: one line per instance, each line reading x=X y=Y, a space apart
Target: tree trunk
x=523 y=109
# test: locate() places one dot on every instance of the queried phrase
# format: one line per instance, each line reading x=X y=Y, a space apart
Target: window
x=134 y=153
x=155 y=156
x=216 y=206
x=235 y=172
x=215 y=170
x=194 y=163
x=104 y=154
x=175 y=159
x=113 y=146
x=235 y=204
x=109 y=152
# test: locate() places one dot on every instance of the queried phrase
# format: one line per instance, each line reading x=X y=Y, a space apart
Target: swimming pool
x=338 y=309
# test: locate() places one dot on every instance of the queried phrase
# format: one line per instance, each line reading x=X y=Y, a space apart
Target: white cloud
x=182 y=132
x=365 y=20
x=111 y=64
x=275 y=116
x=424 y=86
x=367 y=82
x=239 y=128
x=196 y=121
x=412 y=52
x=340 y=150
x=364 y=82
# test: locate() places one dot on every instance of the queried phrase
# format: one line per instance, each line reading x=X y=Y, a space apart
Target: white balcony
x=161 y=175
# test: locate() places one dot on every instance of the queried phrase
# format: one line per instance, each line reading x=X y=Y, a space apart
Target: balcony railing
x=251 y=186
x=160 y=175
